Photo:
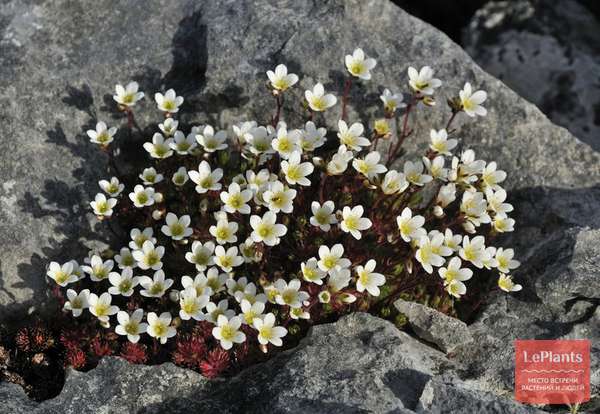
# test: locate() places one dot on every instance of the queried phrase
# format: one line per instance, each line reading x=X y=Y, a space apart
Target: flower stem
x=279 y=100
x=454 y=113
x=405 y=133
x=347 y=86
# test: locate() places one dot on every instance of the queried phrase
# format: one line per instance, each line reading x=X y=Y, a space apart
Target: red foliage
x=190 y=351
x=75 y=358
x=134 y=353
x=216 y=363
x=100 y=348
x=35 y=338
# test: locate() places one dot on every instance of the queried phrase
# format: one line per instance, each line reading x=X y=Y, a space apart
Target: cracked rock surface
x=548 y=52
x=58 y=65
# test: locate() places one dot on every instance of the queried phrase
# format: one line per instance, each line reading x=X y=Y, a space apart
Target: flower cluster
x=258 y=229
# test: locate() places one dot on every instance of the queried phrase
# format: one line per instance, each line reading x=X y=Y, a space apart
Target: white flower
x=324 y=296
x=113 y=187
x=210 y=141
x=452 y=241
x=103 y=207
x=260 y=140
x=311 y=271
x=358 y=65
x=149 y=176
x=159 y=147
x=446 y=195
x=100 y=307
x=159 y=327
x=131 y=325
x=454 y=276
x=505 y=261
x=312 y=137
x=436 y=167
x=256 y=181
x=492 y=177
x=76 y=303
x=423 y=80
x=299 y=313
x=280 y=79
x=267 y=332
x=224 y=231
x=471 y=101
x=474 y=207
x=440 y=142
x=168 y=102
x=181 y=144
x=411 y=228
x=155 y=287
x=249 y=251
x=369 y=280
x=339 y=161
x=98 y=269
x=214 y=311
x=502 y=223
x=251 y=311
x=169 y=126
x=369 y=166
x=139 y=237
x=201 y=255
x=247 y=292
x=180 y=177
x=128 y=95
x=177 y=228
x=143 y=197
x=296 y=171
x=391 y=102
x=352 y=137
x=102 y=135
x=289 y=294
x=495 y=201
x=279 y=197
x=317 y=99
x=200 y=284
x=474 y=251
x=506 y=283
x=191 y=304
x=286 y=142
x=338 y=279
x=430 y=252
x=236 y=199
x=394 y=182
x=266 y=229
x=229 y=259
x=149 y=257
x=123 y=283
x=353 y=222
x=228 y=331
x=323 y=215
x=413 y=171
x=242 y=130
x=331 y=259
x=206 y=179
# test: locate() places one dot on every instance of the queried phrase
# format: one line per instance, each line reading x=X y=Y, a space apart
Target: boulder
x=358 y=364
x=547 y=51
x=59 y=62
x=448 y=333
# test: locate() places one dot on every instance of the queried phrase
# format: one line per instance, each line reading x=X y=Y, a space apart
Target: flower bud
x=157 y=214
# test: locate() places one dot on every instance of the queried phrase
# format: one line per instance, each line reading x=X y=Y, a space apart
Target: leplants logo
x=552 y=371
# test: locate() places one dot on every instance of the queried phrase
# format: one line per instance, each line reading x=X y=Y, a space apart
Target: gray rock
x=58 y=59
x=199 y=48
x=547 y=51
x=448 y=333
x=450 y=398
x=357 y=364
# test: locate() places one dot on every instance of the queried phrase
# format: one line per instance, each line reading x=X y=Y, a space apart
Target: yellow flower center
x=330 y=262
x=177 y=229
x=124 y=286
x=131 y=328
x=227 y=332
x=222 y=233
x=266 y=332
